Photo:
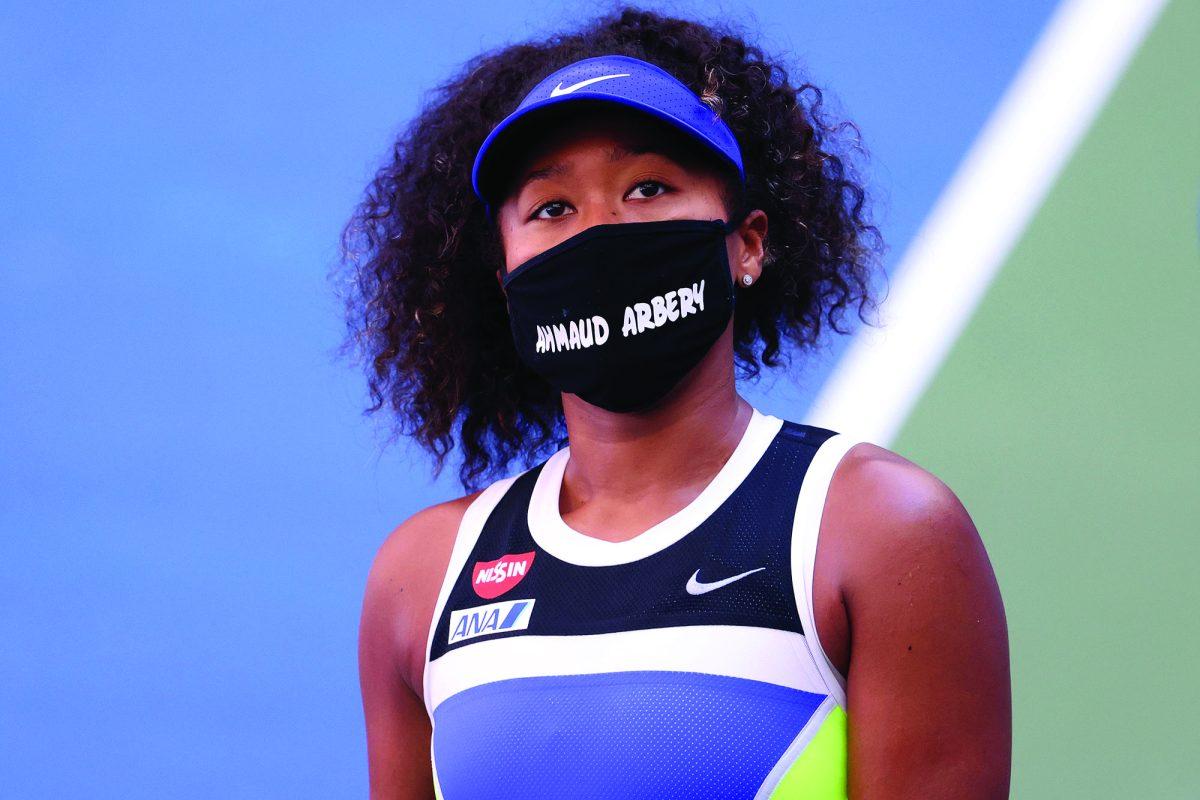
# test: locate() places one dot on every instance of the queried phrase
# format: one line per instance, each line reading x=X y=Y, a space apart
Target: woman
x=690 y=598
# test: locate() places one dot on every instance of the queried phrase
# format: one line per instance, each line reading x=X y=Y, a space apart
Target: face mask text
x=660 y=310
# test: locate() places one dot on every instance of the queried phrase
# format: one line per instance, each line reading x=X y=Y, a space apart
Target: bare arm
x=928 y=688
x=398 y=607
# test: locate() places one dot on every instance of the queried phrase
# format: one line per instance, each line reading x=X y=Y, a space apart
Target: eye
x=649 y=188
x=554 y=209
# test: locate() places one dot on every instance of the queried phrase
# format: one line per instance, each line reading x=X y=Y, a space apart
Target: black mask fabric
x=619 y=313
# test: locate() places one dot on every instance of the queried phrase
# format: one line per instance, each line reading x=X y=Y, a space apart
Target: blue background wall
x=189 y=499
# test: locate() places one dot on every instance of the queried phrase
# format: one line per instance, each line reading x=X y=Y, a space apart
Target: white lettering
x=669 y=307
x=601 y=329
x=672 y=306
x=572 y=335
x=643 y=316
x=660 y=310
x=629 y=327
x=686 y=306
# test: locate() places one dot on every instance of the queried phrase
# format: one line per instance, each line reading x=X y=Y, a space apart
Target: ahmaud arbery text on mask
x=662 y=309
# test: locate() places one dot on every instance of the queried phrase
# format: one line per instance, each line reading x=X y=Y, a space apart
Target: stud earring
x=747 y=279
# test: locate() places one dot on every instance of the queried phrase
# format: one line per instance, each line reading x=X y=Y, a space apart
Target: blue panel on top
x=653 y=735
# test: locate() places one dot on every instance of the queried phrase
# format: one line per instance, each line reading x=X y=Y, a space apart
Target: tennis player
x=684 y=597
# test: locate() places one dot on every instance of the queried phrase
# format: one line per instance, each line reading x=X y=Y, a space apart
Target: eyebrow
x=639 y=148
x=616 y=153
x=541 y=174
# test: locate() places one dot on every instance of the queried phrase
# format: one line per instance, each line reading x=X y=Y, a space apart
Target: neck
x=681 y=441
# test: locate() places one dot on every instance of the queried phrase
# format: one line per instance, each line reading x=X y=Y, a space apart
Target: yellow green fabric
x=820 y=771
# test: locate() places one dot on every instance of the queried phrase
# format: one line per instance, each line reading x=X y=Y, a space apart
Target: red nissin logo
x=494 y=578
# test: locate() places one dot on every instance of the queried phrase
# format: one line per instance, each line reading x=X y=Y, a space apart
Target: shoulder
x=403 y=585
x=887 y=518
x=884 y=520
x=928 y=659
x=411 y=547
x=891 y=527
x=888 y=501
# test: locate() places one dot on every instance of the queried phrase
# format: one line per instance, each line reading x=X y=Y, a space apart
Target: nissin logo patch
x=494 y=578
x=510 y=615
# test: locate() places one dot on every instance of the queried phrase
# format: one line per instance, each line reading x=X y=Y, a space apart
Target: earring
x=747 y=279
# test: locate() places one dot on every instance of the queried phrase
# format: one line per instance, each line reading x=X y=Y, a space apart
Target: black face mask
x=619 y=313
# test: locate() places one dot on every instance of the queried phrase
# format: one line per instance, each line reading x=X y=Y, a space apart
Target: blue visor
x=618 y=79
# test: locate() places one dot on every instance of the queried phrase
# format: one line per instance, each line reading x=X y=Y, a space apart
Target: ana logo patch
x=494 y=578
x=509 y=615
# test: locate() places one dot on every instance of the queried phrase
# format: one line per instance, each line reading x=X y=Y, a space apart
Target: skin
x=907 y=606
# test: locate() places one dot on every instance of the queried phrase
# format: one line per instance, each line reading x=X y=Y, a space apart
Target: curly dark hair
x=424 y=309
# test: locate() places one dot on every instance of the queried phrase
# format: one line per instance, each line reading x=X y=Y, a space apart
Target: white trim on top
x=981 y=214
x=737 y=651
x=468 y=532
x=806 y=529
x=562 y=541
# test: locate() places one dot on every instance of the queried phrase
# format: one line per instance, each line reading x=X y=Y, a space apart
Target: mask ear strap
x=732 y=225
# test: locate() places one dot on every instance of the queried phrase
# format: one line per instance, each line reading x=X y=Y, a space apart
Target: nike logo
x=559 y=90
x=694 y=586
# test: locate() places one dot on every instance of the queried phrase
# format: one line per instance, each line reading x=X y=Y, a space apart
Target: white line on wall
x=978 y=218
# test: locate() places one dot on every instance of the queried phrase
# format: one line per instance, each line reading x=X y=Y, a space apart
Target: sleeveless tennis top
x=681 y=663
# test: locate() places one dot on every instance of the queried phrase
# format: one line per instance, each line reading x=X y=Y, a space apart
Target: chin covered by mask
x=619 y=313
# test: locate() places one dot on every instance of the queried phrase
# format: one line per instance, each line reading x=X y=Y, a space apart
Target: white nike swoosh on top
x=694 y=586
x=557 y=90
